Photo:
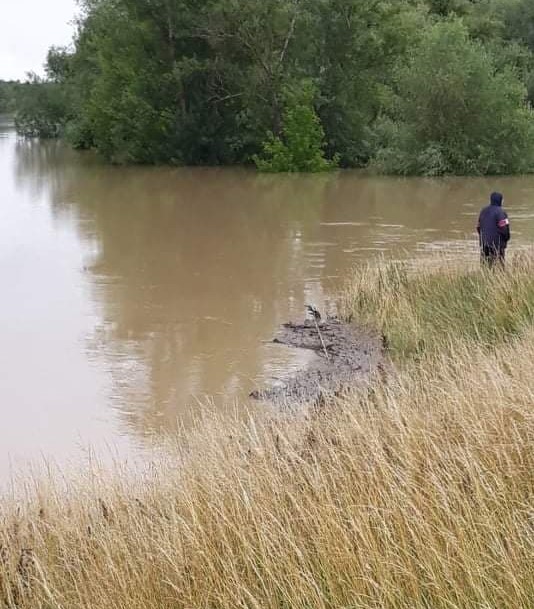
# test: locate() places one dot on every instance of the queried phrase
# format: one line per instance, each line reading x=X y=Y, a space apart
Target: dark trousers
x=492 y=255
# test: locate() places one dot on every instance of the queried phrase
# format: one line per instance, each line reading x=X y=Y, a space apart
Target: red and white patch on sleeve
x=503 y=223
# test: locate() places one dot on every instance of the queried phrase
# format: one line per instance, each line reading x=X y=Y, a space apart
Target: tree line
x=7 y=96
x=409 y=87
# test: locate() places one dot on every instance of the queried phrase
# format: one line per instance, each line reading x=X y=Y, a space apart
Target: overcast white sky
x=27 y=29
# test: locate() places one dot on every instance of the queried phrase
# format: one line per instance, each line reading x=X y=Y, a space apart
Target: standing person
x=494 y=230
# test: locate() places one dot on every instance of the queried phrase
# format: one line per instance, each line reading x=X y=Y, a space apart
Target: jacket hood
x=496 y=199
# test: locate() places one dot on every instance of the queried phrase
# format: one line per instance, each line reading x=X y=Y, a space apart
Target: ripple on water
x=344 y=224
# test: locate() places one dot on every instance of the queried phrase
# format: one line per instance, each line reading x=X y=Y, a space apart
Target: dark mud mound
x=347 y=356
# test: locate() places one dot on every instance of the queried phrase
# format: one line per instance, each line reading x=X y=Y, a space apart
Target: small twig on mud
x=321 y=338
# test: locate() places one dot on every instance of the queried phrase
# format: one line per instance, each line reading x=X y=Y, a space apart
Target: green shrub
x=301 y=144
x=7 y=96
x=41 y=109
x=455 y=112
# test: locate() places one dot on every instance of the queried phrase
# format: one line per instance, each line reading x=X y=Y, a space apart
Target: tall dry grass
x=417 y=493
x=434 y=302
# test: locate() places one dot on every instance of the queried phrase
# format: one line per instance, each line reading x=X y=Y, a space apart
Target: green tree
x=58 y=64
x=175 y=80
x=519 y=21
x=355 y=47
x=454 y=112
x=414 y=86
x=41 y=108
x=444 y=8
x=300 y=146
x=8 y=91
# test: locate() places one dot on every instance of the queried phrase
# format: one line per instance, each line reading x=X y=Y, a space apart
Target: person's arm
x=503 y=226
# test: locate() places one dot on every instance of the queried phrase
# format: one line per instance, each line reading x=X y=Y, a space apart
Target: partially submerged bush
x=300 y=147
x=40 y=109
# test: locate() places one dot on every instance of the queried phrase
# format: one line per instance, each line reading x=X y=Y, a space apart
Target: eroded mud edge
x=348 y=356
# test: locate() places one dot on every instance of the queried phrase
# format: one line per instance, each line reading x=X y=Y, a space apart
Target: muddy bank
x=345 y=356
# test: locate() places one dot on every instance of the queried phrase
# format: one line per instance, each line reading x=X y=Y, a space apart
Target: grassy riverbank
x=417 y=494
x=435 y=303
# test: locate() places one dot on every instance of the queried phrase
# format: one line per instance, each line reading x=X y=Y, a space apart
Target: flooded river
x=130 y=295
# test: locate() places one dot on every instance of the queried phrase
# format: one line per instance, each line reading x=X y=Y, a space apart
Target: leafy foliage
x=7 y=96
x=409 y=86
x=455 y=113
x=301 y=144
x=41 y=108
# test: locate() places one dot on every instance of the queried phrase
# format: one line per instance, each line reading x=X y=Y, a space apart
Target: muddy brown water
x=129 y=295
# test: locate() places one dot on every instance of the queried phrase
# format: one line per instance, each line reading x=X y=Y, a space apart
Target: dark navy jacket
x=493 y=226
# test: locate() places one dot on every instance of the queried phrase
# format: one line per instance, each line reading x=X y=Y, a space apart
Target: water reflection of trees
x=193 y=268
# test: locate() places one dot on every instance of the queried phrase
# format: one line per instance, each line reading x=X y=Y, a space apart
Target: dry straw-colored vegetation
x=416 y=493
x=431 y=304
